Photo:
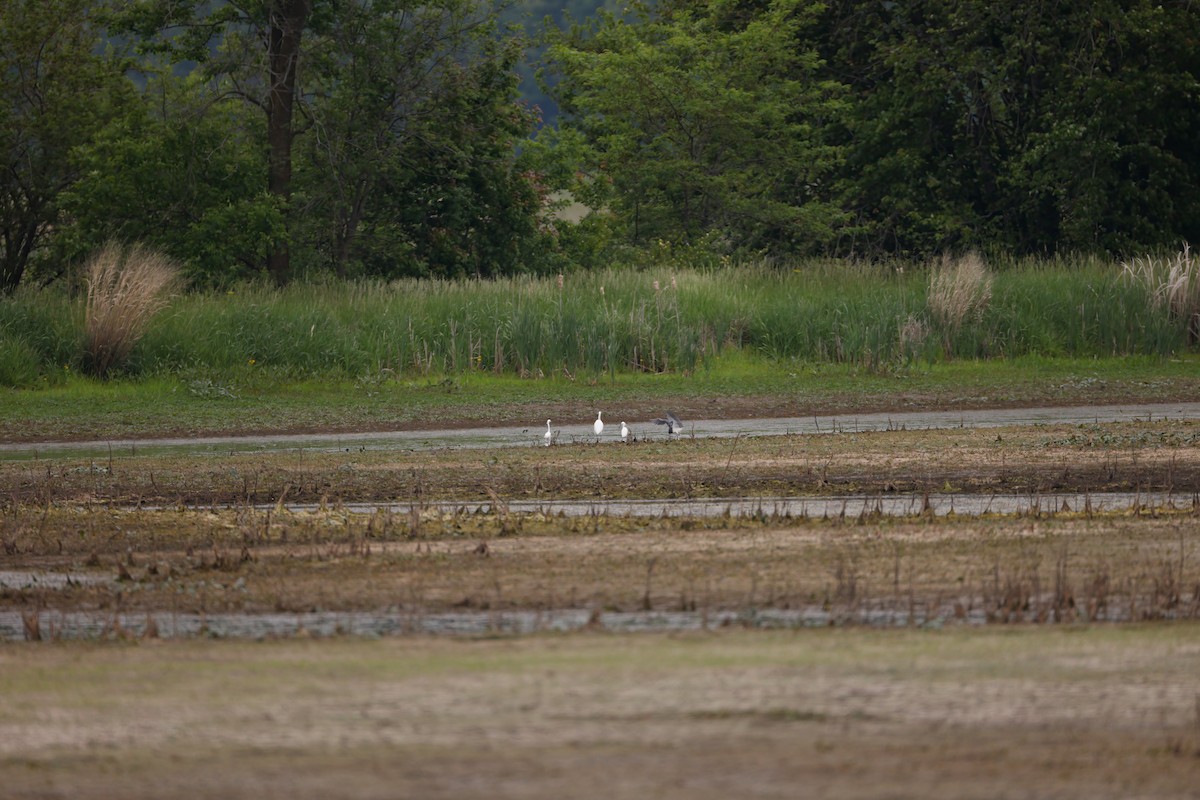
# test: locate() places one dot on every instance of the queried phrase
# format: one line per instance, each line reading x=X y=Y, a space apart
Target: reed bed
x=604 y=322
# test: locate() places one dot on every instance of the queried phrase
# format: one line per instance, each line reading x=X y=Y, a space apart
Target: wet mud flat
x=1065 y=522
x=1142 y=455
x=279 y=572
x=580 y=431
x=874 y=613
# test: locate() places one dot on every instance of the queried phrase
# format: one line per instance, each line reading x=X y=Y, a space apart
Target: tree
x=409 y=163
x=257 y=43
x=1027 y=127
x=182 y=172
x=705 y=122
x=56 y=93
x=401 y=102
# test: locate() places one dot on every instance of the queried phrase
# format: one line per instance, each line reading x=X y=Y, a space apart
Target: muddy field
x=217 y=534
x=1050 y=653
x=1158 y=455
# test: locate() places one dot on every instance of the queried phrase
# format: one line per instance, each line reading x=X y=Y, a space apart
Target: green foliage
x=48 y=322
x=875 y=129
x=413 y=169
x=20 y=366
x=55 y=94
x=1018 y=127
x=607 y=322
x=699 y=132
x=182 y=172
x=405 y=164
x=699 y=121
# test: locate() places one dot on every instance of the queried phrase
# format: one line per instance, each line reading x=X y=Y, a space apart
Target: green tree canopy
x=409 y=161
x=1018 y=126
x=701 y=122
x=56 y=93
x=182 y=171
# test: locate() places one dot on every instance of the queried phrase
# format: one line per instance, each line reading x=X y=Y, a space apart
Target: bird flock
x=671 y=421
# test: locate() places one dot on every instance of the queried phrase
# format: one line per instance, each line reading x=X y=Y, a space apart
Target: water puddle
x=15 y=626
x=840 y=506
x=580 y=432
x=24 y=580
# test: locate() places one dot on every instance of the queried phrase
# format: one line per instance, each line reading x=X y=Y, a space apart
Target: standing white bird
x=547 y=437
x=598 y=425
x=624 y=433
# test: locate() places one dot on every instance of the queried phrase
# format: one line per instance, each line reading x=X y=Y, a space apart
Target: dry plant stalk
x=959 y=289
x=913 y=333
x=1172 y=285
x=126 y=288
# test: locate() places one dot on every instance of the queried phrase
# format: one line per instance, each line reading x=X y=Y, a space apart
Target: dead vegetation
x=181 y=534
x=126 y=287
x=923 y=656
x=1062 y=568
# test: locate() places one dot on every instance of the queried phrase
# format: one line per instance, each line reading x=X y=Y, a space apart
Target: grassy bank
x=250 y=400
x=606 y=323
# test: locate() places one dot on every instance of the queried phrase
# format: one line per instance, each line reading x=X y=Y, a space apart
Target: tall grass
x=1173 y=286
x=598 y=324
x=126 y=287
x=959 y=291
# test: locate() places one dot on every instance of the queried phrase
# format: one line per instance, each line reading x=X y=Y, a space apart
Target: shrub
x=20 y=365
x=126 y=288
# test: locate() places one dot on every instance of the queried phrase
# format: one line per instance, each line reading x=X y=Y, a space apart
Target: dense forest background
x=390 y=138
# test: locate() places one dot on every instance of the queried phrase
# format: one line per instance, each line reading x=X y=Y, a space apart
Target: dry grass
x=1173 y=286
x=959 y=289
x=126 y=288
x=1105 y=712
x=914 y=331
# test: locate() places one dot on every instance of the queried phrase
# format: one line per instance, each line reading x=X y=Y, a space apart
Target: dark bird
x=672 y=422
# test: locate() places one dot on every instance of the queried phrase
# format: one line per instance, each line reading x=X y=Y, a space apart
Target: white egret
x=624 y=433
x=598 y=425
x=547 y=436
x=672 y=422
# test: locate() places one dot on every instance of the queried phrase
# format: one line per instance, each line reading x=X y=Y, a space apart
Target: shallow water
x=96 y=625
x=881 y=614
x=578 y=433
x=859 y=505
x=28 y=579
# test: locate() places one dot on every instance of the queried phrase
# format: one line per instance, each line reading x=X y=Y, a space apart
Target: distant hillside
x=531 y=15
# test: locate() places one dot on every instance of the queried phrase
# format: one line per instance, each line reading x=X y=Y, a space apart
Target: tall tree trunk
x=284 y=28
x=16 y=246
